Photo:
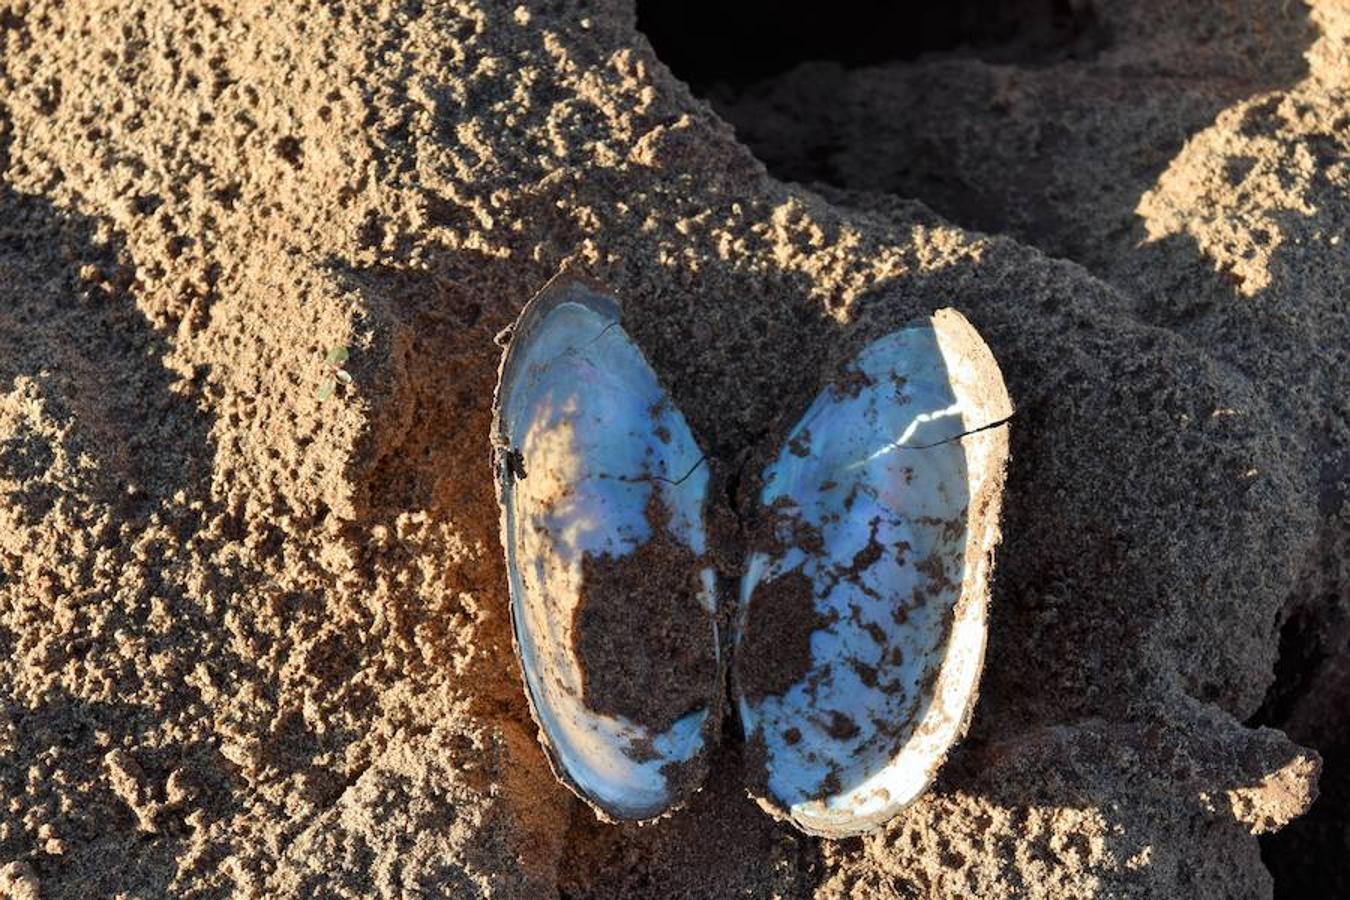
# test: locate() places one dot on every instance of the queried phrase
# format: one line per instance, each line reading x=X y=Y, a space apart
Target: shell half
x=602 y=489
x=861 y=616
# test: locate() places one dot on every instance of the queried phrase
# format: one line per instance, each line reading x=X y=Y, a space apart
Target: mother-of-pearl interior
x=594 y=435
x=894 y=475
x=904 y=498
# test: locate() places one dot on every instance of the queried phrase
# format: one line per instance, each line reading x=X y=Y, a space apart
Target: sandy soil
x=255 y=643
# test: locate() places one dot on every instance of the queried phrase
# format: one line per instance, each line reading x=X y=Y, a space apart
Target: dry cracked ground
x=255 y=643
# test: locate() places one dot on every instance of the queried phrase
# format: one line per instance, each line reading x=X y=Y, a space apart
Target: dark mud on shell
x=775 y=650
x=644 y=642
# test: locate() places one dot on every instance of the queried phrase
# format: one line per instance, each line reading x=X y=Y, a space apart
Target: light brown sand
x=252 y=643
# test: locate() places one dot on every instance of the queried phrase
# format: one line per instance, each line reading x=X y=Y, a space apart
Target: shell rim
x=991 y=399
x=563 y=288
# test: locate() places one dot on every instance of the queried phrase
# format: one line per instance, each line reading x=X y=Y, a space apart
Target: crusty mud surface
x=644 y=640
x=255 y=643
x=775 y=652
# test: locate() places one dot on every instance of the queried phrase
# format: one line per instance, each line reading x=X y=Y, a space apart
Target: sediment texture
x=253 y=642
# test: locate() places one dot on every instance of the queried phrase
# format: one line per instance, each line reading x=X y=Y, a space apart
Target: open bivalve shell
x=860 y=617
x=602 y=490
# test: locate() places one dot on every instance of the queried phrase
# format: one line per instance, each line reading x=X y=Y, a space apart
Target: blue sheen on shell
x=888 y=471
x=591 y=434
x=884 y=500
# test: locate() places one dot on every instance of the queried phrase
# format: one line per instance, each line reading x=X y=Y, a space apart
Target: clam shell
x=861 y=616
x=602 y=489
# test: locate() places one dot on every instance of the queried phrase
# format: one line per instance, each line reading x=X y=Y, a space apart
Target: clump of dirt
x=841 y=727
x=775 y=649
x=643 y=638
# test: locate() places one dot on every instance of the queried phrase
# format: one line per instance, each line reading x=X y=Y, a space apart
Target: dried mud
x=641 y=634
x=256 y=643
